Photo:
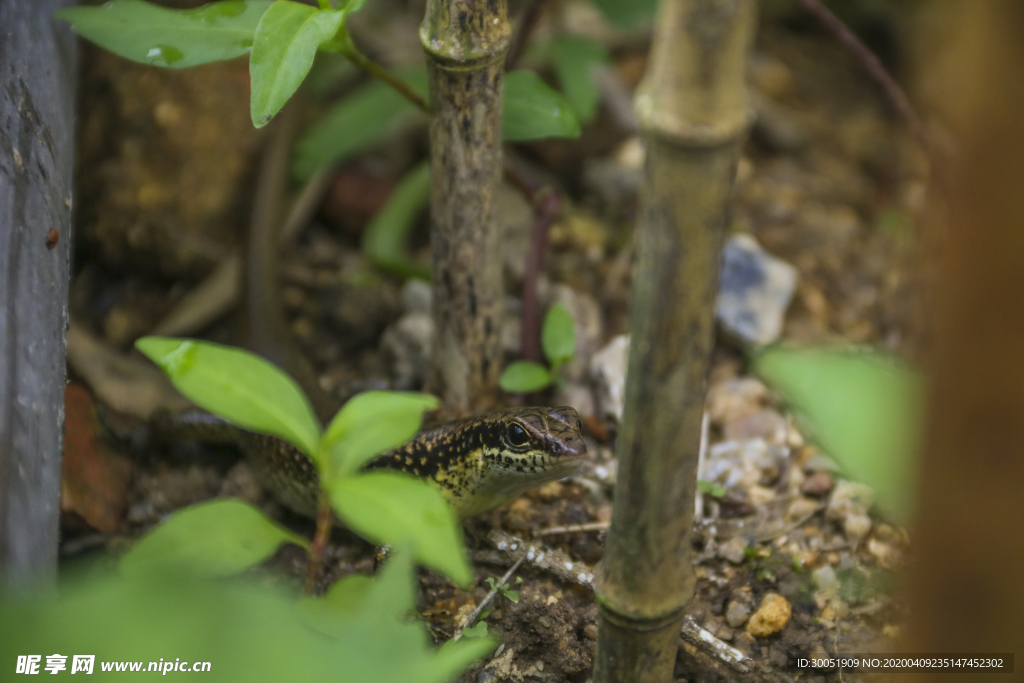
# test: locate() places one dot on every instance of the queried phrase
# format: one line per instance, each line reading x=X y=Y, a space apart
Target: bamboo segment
x=465 y=42
x=695 y=114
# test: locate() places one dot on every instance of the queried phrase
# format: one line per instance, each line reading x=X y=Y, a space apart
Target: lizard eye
x=517 y=436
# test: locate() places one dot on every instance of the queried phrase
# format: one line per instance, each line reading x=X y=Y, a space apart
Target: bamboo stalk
x=465 y=42
x=694 y=110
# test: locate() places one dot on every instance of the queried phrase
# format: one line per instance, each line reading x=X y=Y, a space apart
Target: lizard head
x=520 y=449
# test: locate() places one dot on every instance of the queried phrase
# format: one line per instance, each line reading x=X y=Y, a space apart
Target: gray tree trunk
x=37 y=69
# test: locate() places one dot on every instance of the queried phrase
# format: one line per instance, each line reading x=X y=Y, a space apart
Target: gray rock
x=736 y=614
x=407 y=343
x=416 y=296
x=755 y=289
x=608 y=371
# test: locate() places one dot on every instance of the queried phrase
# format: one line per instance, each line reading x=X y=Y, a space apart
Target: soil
x=829 y=182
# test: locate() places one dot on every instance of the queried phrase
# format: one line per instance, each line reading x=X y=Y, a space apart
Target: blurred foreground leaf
x=863 y=408
x=398 y=509
x=237 y=386
x=245 y=633
x=175 y=38
x=532 y=110
x=213 y=539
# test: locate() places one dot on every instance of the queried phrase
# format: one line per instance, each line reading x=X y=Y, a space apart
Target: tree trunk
x=37 y=67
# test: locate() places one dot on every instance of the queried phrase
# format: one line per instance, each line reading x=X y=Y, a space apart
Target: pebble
x=825 y=578
x=590 y=631
x=608 y=370
x=818 y=484
x=888 y=556
x=736 y=614
x=755 y=289
x=766 y=423
x=735 y=399
x=407 y=343
x=744 y=642
x=734 y=550
x=849 y=504
x=743 y=464
x=800 y=508
x=771 y=617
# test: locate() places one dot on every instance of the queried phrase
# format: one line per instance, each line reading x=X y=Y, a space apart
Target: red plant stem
x=873 y=65
x=316 y=551
x=547 y=205
x=527 y=23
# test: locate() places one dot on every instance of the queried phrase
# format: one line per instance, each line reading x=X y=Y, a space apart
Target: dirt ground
x=829 y=182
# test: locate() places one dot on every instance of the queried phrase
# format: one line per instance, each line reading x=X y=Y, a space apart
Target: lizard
x=478 y=462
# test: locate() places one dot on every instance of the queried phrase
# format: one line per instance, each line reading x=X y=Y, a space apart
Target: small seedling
x=558 y=339
x=505 y=589
x=710 y=488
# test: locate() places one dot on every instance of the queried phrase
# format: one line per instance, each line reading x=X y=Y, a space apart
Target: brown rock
x=818 y=484
x=771 y=617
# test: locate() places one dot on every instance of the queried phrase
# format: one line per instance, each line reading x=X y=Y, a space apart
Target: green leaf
x=864 y=408
x=392 y=592
x=710 y=488
x=626 y=13
x=175 y=38
x=512 y=595
x=237 y=386
x=522 y=377
x=213 y=539
x=532 y=110
x=386 y=238
x=285 y=44
x=246 y=632
x=373 y=422
x=395 y=509
x=558 y=336
x=358 y=121
x=574 y=59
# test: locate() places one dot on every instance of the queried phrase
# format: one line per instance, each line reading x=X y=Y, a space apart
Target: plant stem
x=323 y=532
x=354 y=55
x=465 y=42
x=695 y=114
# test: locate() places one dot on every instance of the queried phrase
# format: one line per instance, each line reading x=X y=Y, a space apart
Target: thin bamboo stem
x=694 y=110
x=465 y=42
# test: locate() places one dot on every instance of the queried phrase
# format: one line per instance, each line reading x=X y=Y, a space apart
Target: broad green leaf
x=247 y=633
x=358 y=121
x=863 y=408
x=574 y=58
x=373 y=422
x=626 y=13
x=285 y=44
x=237 y=386
x=386 y=237
x=175 y=38
x=395 y=509
x=558 y=335
x=213 y=539
x=532 y=110
x=522 y=377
